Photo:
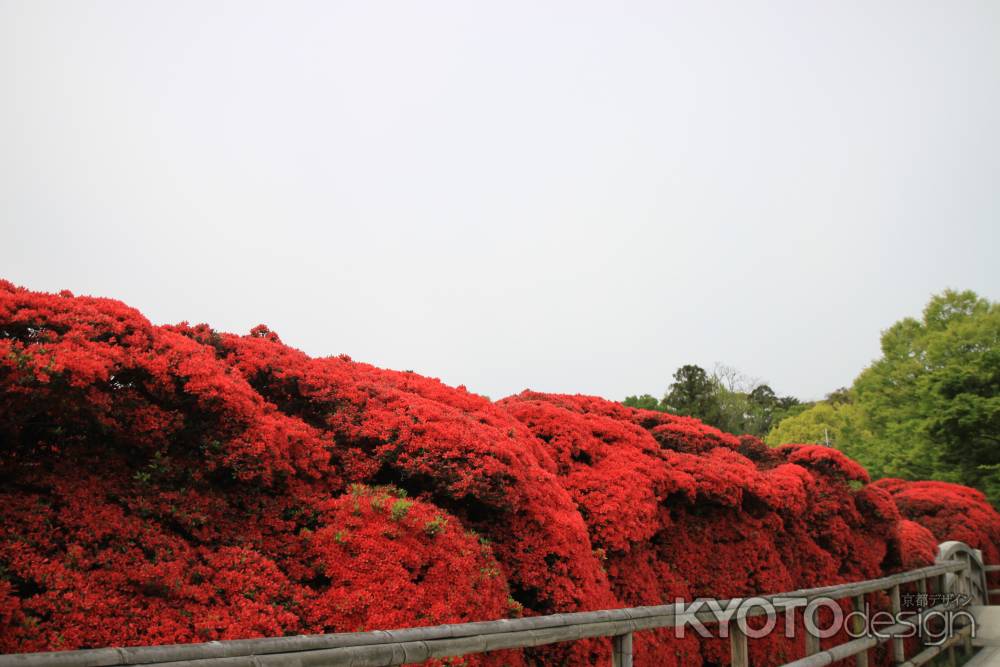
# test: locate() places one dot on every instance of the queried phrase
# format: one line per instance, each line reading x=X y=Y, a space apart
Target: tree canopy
x=725 y=398
x=929 y=407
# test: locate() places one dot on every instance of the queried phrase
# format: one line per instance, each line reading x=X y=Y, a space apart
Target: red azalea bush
x=174 y=484
x=676 y=511
x=950 y=512
x=187 y=441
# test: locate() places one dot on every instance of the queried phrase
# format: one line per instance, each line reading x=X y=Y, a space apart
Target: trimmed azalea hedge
x=164 y=484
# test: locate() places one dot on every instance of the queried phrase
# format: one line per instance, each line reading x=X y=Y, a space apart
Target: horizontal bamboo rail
x=856 y=646
x=958 y=569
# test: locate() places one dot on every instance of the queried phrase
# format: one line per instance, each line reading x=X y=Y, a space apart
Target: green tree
x=933 y=399
x=693 y=393
x=929 y=408
x=765 y=408
x=724 y=398
x=788 y=406
x=841 y=425
x=645 y=402
x=732 y=411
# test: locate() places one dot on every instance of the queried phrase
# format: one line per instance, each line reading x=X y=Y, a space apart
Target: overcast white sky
x=572 y=196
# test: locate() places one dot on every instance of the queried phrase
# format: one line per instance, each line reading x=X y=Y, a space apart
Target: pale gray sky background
x=571 y=196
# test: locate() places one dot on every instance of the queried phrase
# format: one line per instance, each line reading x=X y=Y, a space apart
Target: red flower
x=175 y=484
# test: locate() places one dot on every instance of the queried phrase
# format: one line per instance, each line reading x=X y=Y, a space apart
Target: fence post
x=922 y=602
x=942 y=591
x=621 y=650
x=898 y=651
x=858 y=620
x=967 y=587
x=738 y=651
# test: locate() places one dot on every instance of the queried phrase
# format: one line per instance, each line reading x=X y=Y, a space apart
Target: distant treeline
x=724 y=398
x=928 y=408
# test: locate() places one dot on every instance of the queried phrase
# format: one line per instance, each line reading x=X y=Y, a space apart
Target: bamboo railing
x=959 y=569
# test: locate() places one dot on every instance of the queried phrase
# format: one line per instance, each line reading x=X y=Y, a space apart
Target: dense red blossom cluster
x=949 y=512
x=173 y=484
